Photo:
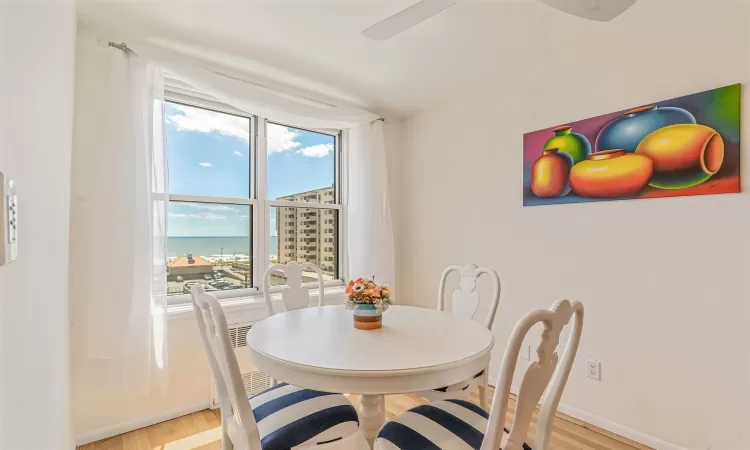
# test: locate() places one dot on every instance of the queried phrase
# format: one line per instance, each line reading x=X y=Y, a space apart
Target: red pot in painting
x=549 y=174
x=611 y=173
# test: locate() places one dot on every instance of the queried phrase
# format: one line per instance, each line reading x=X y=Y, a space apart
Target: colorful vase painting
x=680 y=147
x=565 y=141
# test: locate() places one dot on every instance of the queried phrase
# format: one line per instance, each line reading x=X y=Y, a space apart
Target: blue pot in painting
x=628 y=131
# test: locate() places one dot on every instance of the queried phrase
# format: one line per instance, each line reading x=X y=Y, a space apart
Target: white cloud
x=212 y=216
x=206 y=216
x=280 y=138
x=209 y=206
x=316 y=151
x=205 y=164
x=201 y=120
x=244 y=217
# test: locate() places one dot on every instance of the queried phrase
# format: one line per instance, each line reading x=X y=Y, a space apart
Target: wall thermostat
x=8 y=220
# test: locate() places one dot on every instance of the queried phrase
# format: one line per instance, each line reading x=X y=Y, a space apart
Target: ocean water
x=214 y=246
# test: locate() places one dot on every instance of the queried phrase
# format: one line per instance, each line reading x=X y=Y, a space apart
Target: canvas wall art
x=685 y=146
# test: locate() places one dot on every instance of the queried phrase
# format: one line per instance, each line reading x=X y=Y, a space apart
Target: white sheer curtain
x=370 y=228
x=118 y=211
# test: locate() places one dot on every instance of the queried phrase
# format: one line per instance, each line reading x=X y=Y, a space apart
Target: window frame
x=260 y=206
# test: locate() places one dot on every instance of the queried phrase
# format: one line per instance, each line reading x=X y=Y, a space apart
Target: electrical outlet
x=525 y=353
x=593 y=369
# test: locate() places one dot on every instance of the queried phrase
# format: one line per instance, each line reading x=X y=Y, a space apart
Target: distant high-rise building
x=308 y=234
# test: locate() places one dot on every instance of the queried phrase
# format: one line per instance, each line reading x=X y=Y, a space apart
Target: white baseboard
x=616 y=428
x=120 y=428
x=633 y=435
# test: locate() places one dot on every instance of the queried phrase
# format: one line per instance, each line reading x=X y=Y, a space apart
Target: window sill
x=253 y=307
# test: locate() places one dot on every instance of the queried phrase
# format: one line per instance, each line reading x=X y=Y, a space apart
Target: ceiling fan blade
x=411 y=16
x=600 y=10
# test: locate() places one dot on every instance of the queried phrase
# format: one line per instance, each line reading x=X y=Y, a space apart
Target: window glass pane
x=301 y=164
x=305 y=235
x=208 y=243
x=208 y=152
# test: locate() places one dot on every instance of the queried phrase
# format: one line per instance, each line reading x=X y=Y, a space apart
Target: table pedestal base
x=371 y=416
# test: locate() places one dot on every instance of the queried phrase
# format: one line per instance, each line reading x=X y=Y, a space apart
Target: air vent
x=239 y=336
x=255 y=381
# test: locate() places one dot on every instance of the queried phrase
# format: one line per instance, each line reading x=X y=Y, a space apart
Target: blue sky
x=209 y=154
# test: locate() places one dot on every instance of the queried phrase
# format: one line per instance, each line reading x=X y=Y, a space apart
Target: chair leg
x=484 y=391
x=226 y=443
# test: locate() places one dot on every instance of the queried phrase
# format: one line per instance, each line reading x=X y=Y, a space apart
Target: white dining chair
x=293 y=294
x=281 y=417
x=465 y=302
x=459 y=424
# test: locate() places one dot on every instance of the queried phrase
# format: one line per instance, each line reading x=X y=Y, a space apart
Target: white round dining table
x=415 y=350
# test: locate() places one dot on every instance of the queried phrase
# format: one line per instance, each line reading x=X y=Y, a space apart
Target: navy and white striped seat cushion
x=442 y=425
x=463 y=385
x=290 y=416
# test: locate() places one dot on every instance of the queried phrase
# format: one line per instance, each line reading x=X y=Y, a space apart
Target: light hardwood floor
x=200 y=431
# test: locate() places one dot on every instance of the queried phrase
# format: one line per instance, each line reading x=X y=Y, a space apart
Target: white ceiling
x=320 y=40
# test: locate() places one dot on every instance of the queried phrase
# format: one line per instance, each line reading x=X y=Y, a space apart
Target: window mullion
x=207 y=199
x=342 y=198
x=308 y=205
x=262 y=211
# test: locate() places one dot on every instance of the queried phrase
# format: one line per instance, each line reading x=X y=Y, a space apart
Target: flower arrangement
x=364 y=291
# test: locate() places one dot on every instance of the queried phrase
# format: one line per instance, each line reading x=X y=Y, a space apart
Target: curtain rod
x=124 y=47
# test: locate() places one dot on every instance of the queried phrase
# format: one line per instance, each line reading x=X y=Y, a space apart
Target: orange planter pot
x=684 y=155
x=549 y=174
x=367 y=317
x=611 y=173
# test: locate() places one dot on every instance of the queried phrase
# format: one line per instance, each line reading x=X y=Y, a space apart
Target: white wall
x=36 y=115
x=665 y=282
x=104 y=407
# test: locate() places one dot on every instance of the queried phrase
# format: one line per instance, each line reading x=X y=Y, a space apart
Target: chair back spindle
x=294 y=295
x=465 y=300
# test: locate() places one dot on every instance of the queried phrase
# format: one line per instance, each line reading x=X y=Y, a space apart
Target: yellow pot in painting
x=611 y=173
x=684 y=155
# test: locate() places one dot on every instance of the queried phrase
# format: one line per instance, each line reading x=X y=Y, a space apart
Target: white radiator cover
x=253 y=379
x=241 y=320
